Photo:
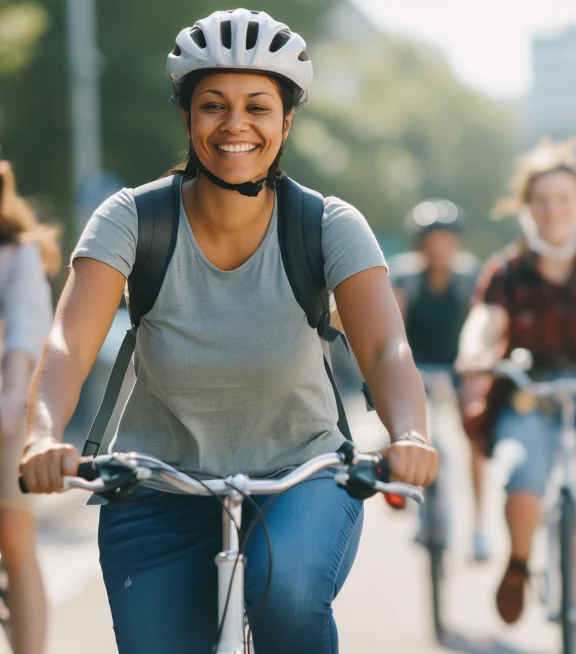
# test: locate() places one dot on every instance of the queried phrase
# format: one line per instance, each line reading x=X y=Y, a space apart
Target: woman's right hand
x=46 y=462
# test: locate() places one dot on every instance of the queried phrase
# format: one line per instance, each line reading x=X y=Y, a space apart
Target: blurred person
x=526 y=299
x=230 y=375
x=434 y=285
x=28 y=250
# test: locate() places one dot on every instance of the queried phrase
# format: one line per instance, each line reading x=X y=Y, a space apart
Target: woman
x=27 y=251
x=434 y=286
x=527 y=299
x=220 y=388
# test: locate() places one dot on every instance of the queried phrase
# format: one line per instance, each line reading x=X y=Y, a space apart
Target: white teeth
x=237 y=148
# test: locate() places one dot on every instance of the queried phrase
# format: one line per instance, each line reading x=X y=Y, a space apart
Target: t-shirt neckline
x=248 y=263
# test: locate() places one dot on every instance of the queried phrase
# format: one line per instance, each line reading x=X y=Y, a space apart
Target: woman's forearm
x=397 y=390
x=55 y=392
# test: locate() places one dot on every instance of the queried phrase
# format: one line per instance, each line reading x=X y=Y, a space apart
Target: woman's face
x=439 y=247
x=553 y=206
x=237 y=125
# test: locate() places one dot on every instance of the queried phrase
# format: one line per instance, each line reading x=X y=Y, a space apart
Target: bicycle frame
x=230 y=563
x=567 y=404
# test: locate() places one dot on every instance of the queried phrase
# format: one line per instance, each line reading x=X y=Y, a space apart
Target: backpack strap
x=300 y=213
x=158 y=207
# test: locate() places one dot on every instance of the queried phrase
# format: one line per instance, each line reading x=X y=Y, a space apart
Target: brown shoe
x=510 y=595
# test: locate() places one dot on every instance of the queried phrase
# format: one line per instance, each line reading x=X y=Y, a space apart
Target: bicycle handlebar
x=515 y=369
x=362 y=475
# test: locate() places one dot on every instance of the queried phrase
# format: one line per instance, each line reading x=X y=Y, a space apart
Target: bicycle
x=433 y=531
x=560 y=525
x=117 y=476
x=4 y=610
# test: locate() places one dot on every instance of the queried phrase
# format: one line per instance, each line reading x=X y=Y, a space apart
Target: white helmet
x=242 y=40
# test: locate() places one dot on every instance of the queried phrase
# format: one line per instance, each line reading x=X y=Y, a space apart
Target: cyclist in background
x=527 y=299
x=27 y=251
x=434 y=285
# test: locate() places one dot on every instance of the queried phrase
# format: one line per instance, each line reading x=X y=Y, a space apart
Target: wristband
x=411 y=436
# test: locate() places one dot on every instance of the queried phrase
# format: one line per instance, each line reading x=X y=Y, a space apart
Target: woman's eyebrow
x=250 y=95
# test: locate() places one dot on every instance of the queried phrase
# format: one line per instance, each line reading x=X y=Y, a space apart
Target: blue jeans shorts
x=534 y=439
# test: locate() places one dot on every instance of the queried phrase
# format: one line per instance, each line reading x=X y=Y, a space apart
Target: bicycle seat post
x=231 y=577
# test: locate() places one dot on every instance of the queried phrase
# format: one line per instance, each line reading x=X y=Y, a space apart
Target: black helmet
x=435 y=214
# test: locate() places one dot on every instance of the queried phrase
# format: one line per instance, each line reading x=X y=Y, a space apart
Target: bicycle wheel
x=436 y=545
x=567 y=540
x=4 y=612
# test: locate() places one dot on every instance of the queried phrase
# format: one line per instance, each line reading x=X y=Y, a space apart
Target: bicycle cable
x=194 y=474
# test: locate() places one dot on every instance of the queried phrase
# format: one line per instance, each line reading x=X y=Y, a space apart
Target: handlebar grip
x=86 y=470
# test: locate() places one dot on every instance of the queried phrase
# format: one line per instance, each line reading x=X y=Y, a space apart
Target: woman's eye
x=212 y=106
x=258 y=108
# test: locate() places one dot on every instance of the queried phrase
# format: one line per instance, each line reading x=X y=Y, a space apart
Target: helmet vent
x=303 y=56
x=176 y=52
x=280 y=40
x=197 y=35
x=252 y=34
x=226 y=33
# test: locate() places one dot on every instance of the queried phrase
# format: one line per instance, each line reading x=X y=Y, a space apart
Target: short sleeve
x=112 y=233
x=348 y=243
x=491 y=286
x=27 y=303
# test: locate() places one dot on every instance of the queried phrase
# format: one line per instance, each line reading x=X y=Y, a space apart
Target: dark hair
x=184 y=100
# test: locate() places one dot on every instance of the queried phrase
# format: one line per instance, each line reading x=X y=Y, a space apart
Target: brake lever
x=361 y=479
x=120 y=480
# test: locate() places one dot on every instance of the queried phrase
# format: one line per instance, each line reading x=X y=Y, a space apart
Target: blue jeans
x=157 y=555
x=535 y=438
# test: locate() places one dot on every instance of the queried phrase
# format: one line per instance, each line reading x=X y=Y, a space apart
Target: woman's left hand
x=412 y=463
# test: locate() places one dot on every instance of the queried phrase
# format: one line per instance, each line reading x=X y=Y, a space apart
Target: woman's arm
x=484 y=337
x=83 y=317
x=373 y=324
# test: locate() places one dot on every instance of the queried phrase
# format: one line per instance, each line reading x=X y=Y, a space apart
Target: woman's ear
x=288 y=123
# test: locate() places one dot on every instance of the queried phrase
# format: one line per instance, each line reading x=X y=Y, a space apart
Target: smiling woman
x=231 y=374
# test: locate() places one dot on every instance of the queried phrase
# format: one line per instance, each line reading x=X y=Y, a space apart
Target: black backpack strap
x=158 y=207
x=300 y=212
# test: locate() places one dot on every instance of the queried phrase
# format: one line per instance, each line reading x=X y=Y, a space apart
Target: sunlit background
x=411 y=99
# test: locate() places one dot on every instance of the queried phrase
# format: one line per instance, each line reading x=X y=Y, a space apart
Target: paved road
x=383 y=607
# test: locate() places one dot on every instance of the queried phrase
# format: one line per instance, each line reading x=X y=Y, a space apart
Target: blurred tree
x=387 y=124
x=21 y=25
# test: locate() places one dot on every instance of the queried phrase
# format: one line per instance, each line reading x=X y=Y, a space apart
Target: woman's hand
x=412 y=463
x=46 y=462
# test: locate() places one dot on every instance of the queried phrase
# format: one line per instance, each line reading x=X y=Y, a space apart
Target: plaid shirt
x=542 y=314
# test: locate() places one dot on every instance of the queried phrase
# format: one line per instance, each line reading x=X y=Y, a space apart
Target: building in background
x=551 y=105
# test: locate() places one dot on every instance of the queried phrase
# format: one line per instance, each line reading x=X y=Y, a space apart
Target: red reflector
x=395 y=501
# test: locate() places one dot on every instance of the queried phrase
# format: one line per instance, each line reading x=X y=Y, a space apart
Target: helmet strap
x=248 y=189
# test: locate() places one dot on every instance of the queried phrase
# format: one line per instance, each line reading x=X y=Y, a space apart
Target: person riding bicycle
x=27 y=251
x=526 y=299
x=434 y=286
x=230 y=376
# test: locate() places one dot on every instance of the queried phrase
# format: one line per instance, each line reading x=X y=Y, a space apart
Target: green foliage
x=387 y=124
x=21 y=25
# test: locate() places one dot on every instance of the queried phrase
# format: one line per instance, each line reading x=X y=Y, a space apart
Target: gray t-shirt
x=230 y=377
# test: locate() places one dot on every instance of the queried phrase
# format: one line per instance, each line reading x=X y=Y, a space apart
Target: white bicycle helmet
x=241 y=40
